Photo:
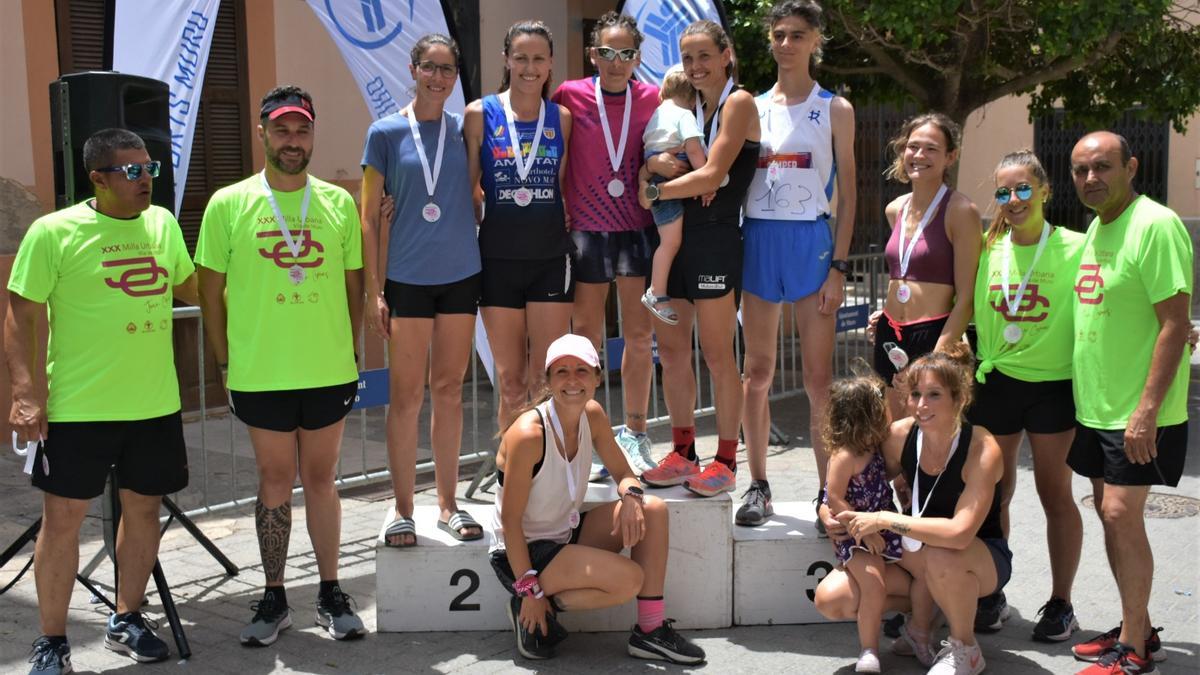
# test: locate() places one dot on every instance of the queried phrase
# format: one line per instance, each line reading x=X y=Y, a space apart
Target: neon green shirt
x=1140 y=259
x=107 y=284
x=283 y=335
x=1044 y=312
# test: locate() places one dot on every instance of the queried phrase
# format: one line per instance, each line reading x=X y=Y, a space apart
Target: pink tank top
x=932 y=257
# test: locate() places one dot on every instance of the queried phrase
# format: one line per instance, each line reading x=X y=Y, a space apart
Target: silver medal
x=772 y=172
x=616 y=188
x=523 y=196
x=1012 y=333
x=431 y=212
x=903 y=293
x=911 y=545
x=725 y=180
x=573 y=518
x=296 y=274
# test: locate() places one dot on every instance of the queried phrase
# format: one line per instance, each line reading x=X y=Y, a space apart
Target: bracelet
x=528 y=585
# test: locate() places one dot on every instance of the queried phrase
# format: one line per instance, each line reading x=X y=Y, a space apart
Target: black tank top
x=726 y=207
x=942 y=502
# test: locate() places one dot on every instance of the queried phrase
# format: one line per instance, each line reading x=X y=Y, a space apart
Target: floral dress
x=869 y=491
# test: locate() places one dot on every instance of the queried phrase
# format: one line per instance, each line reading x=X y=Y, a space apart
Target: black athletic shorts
x=150 y=456
x=541 y=552
x=1005 y=405
x=516 y=283
x=413 y=301
x=708 y=264
x=286 y=410
x=1002 y=558
x=601 y=257
x=917 y=339
x=1100 y=453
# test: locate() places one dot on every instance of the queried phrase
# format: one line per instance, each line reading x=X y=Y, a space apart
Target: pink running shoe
x=672 y=470
x=715 y=479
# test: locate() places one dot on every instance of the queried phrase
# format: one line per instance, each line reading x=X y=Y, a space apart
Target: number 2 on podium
x=457 y=604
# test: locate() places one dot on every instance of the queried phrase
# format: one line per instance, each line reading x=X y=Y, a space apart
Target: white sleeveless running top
x=548 y=511
x=798 y=141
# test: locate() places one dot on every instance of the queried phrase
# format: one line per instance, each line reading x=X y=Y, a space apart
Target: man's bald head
x=1102 y=169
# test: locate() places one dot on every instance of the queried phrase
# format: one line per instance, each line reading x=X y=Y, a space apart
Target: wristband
x=528 y=585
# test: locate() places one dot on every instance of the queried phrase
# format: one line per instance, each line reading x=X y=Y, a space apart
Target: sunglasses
x=134 y=171
x=445 y=70
x=610 y=54
x=1023 y=190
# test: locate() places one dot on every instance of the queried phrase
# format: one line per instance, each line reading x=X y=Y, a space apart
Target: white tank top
x=548 y=511
x=796 y=170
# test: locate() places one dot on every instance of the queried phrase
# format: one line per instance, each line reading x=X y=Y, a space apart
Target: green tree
x=1095 y=58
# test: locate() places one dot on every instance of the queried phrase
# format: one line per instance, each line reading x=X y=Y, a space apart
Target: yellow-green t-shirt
x=284 y=335
x=1129 y=265
x=107 y=284
x=1044 y=311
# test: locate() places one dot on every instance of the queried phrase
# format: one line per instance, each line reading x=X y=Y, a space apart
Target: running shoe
x=530 y=645
x=1120 y=660
x=131 y=634
x=958 y=659
x=756 y=505
x=664 y=644
x=599 y=472
x=672 y=470
x=335 y=615
x=907 y=645
x=715 y=479
x=991 y=612
x=891 y=627
x=636 y=445
x=868 y=662
x=50 y=657
x=270 y=617
x=1098 y=646
x=1057 y=622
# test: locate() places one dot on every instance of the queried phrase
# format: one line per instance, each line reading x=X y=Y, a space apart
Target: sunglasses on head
x=610 y=54
x=134 y=171
x=429 y=67
x=1023 y=190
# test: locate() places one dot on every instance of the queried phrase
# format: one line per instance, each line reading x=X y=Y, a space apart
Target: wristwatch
x=841 y=266
x=652 y=192
x=635 y=492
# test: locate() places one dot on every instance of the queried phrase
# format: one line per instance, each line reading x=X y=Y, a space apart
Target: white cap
x=572 y=345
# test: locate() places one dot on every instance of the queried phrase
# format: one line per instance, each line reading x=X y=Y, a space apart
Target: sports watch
x=652 y=192
x=841 y=266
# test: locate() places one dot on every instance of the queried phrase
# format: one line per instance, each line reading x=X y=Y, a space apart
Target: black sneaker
x=131 y=634
x=1057 y=622
x=756 y=506
x=991 y=612
x=664 y=644
x=50 y=657
x=891 y=627
x=531 y=645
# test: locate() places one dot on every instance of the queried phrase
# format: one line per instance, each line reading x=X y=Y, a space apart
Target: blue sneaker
x=131 y=634
x=636 y=445
x=50 y=657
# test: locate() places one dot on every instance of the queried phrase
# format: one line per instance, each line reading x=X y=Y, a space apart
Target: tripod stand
x=111 y=506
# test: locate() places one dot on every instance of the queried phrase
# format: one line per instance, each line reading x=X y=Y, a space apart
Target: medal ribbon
x=1014 y=302
x=431 y=177
x=712 y=132
x=614 y=154
x=916 y=486
x=514 y=138
x=557 y=431
x=292 y=244
x=906 y=253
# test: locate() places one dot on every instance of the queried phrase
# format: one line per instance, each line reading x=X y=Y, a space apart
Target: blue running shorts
x=786 y=260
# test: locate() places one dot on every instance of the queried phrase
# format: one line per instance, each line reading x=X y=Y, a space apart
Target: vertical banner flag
x=661 y=23
x=168 y=41
x=375 y=38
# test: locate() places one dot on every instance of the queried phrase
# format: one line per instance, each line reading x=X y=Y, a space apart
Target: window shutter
x=87 y=27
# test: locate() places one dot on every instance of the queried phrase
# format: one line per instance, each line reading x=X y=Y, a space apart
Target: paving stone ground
x=214 y=607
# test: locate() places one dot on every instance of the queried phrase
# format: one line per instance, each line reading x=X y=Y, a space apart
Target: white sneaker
x=907 y=645
x=637 y=450
x=958 y=659
x=868 y=662
x=599 y=472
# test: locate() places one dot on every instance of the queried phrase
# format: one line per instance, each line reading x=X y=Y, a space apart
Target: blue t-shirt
x=420 y=252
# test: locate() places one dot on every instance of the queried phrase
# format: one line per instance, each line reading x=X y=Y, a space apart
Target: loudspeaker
x=83 y=103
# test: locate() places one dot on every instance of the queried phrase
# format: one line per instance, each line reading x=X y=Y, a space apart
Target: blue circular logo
x=374 y=32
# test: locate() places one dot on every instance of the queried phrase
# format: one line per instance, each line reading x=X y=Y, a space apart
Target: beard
x=291 y=168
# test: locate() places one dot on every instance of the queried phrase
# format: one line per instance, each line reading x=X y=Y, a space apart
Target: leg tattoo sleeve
x=274 y=528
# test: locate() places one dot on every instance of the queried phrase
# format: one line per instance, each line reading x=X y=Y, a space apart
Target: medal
x=725 y=180
x=296 y=273
x=556 y=431
x=772 y=172
x=431 y=212
x=896 y=355
x=615 y=187
x=912 y=545
x=573 y=519
x=523 y=196
x=903 y=293
x=1012 y=333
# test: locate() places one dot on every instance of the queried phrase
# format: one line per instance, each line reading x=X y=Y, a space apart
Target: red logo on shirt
x=282 y=255
x=1087 y=288
x=1030 y=301
x=138 y=281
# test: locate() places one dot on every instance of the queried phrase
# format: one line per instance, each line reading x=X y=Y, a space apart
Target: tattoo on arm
x=899 y=528
x=274 y=527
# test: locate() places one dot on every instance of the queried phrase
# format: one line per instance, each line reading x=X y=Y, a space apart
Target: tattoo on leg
x=635 y=417
x=274 y=527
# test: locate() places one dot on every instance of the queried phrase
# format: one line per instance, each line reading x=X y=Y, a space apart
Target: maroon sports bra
x=933 y=257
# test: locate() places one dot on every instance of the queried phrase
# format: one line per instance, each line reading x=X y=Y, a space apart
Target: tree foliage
x=1095 y=58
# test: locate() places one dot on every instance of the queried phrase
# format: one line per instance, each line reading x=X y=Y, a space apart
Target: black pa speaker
x=83 y=103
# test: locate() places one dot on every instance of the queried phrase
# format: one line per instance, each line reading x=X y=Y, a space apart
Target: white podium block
x=777 y=566
x=441 y=584
x=699 y=591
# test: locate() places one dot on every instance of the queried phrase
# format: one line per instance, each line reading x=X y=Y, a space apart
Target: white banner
x=661 y=23
x=375 y=38
x=168 y=41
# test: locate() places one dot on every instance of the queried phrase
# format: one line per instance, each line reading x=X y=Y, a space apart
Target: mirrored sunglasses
x=134 y=171
x=609 y=54
x=1023 y=190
